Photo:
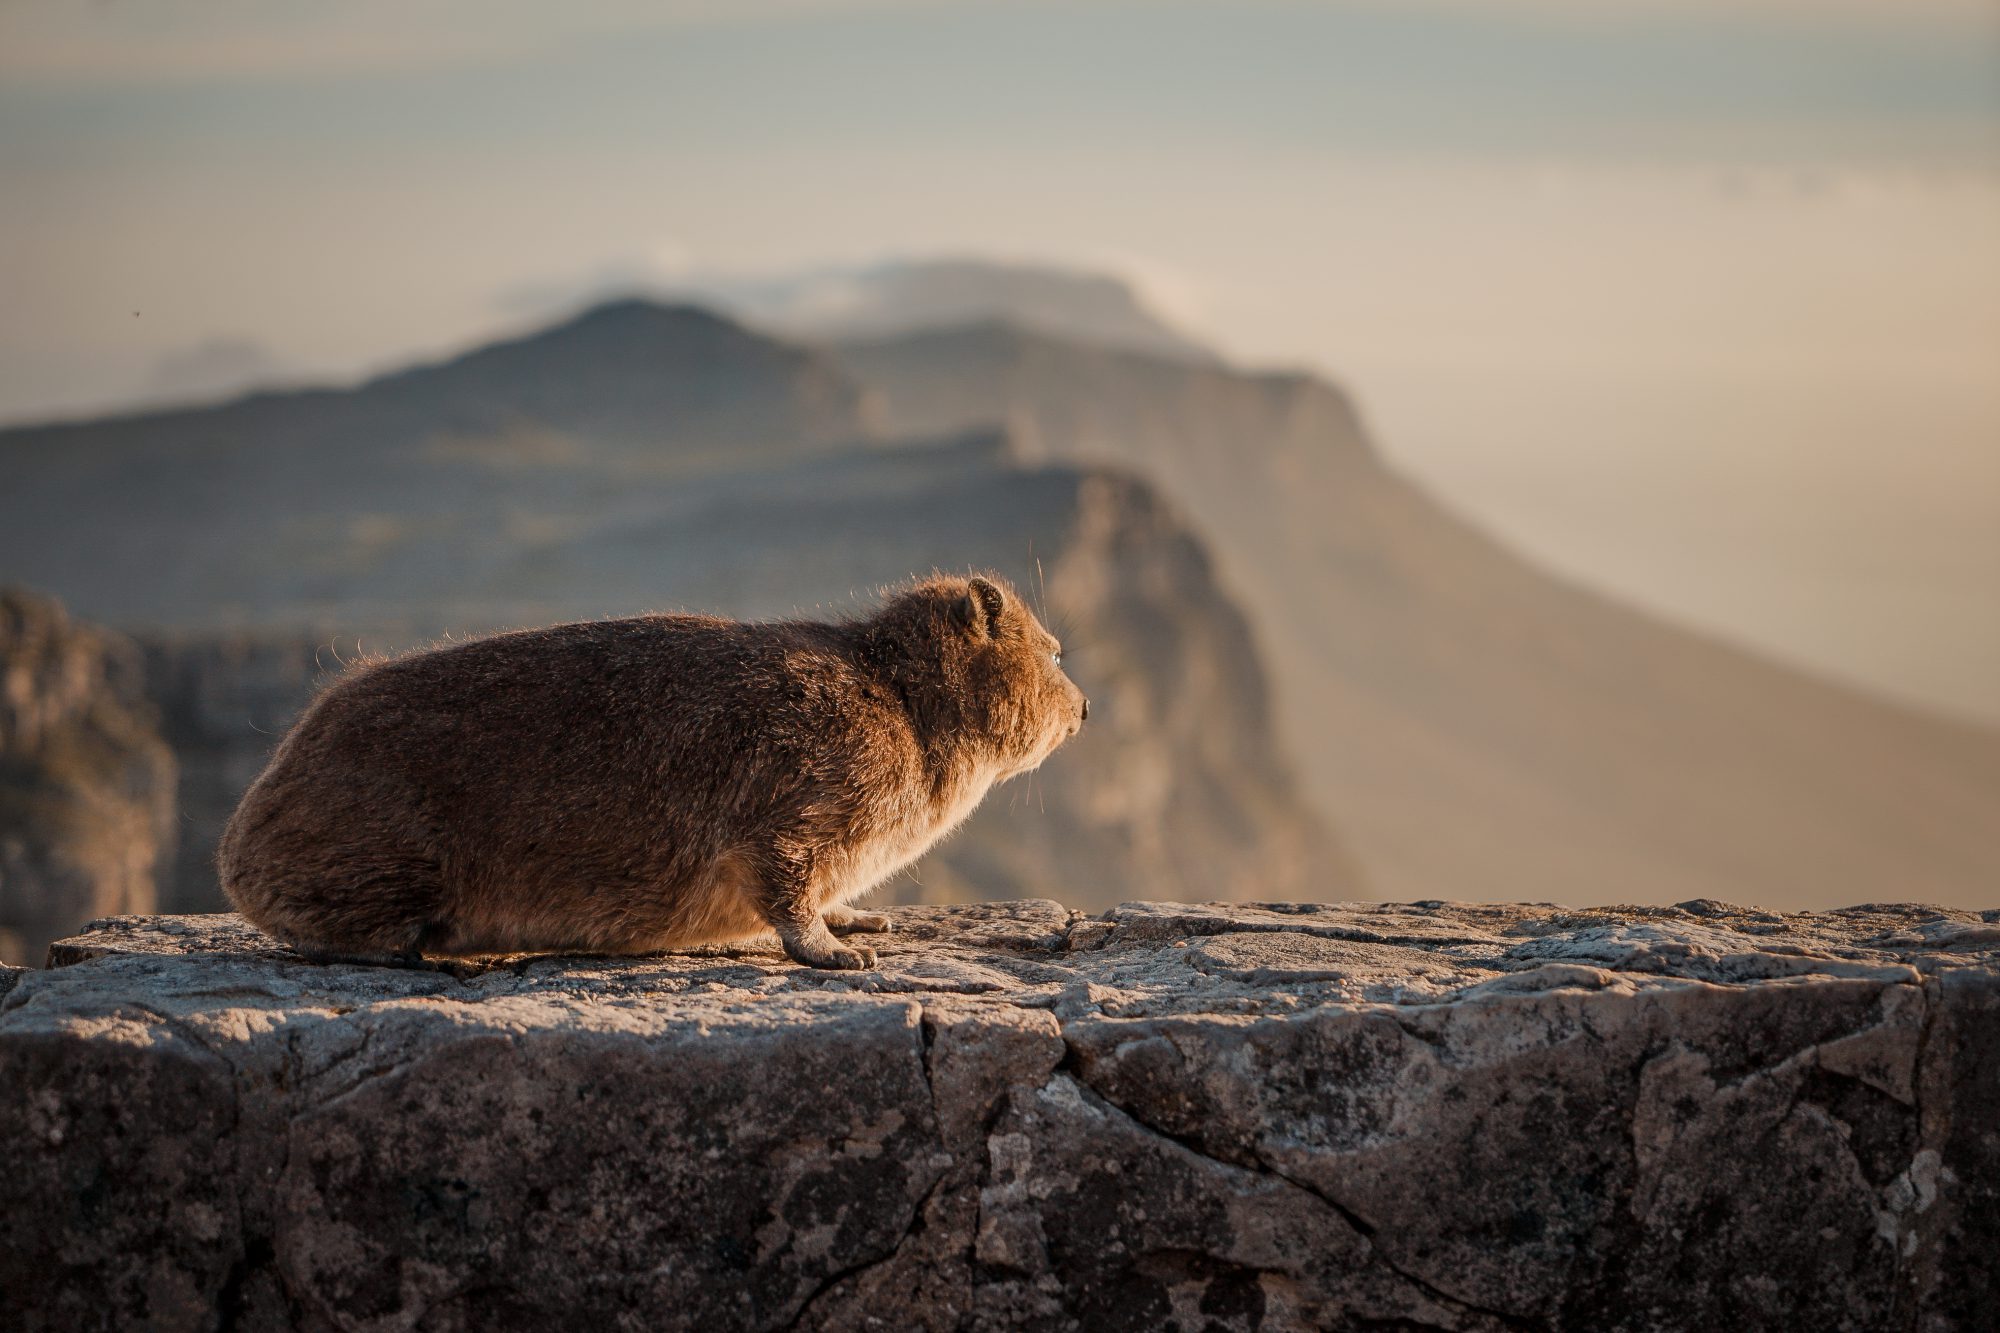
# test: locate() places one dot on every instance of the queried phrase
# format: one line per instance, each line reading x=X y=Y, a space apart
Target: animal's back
x=631 y=785
x=512 y=792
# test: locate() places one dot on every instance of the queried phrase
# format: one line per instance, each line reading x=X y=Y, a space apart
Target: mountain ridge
x=1485 y=727
x=1479 y=726
x=502 y=486
x=882 y=299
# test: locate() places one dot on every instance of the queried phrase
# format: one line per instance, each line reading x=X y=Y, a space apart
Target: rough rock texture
x=1175 y=1116
x=86 y=784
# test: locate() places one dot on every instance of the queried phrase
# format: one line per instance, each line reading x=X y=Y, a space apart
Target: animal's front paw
x=845 y=959
x=815 y=946
x=874 y=923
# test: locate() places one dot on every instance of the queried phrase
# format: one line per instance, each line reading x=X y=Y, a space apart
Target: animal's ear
x=979 y=610
x=991 y=601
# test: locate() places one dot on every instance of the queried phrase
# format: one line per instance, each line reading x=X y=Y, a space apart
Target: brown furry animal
x=628 y=786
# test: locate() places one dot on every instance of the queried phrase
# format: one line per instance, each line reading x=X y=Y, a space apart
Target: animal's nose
x=1086 y=711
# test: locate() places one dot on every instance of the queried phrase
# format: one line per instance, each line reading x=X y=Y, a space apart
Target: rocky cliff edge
x=1434 y=1115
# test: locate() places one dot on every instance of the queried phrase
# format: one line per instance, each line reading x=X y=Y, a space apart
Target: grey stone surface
x=1193 y=1116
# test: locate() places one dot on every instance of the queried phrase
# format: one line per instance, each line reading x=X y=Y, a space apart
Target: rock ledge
x=1431 y=1115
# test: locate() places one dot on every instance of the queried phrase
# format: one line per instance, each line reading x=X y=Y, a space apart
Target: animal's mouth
x=1035 y=758
x=1026 y=766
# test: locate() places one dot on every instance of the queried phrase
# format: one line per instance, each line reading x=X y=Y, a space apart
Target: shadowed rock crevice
x=1207 y=1116
x=856 y=1272
x=1363 y=1229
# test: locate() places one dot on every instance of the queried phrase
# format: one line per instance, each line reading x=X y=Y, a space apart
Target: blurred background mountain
x=640 y=457
x=1662 y=568
x=86 y=784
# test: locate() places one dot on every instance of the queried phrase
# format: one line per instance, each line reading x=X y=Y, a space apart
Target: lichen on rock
x=1175 y=1115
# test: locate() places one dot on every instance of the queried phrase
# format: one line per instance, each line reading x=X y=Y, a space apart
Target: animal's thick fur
x=627 y=786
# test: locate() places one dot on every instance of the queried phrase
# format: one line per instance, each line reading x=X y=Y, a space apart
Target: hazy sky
x=1697 y=301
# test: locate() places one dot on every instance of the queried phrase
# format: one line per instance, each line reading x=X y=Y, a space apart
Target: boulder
x=1199 y=1116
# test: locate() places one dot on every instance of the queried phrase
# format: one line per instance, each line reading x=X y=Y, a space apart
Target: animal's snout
x=1085 y=717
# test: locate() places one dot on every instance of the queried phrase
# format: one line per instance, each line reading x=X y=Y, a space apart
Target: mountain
x=632 y=376
x=1476 y=727
x=86 y=785
x=1482 y=728
x=282 y=499
x=1177 y=785
x=641 y=458
x=908 y=295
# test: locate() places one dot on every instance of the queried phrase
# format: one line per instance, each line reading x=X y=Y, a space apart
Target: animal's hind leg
x=411 y=959
x=399 y=947
x=383 y=912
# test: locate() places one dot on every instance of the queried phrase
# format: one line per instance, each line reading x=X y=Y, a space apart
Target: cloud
x=213 y=368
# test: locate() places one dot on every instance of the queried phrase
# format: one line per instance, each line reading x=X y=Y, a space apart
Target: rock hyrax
x=628 y=786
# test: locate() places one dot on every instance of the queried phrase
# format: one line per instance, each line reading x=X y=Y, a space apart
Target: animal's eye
x=1056 y=657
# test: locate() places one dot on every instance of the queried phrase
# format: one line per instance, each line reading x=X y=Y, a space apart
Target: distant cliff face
x=222 y=702
x=86 y=785
x=1480 y=727
x=1178 y=780
x=1477 y=727
x=638 y=458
